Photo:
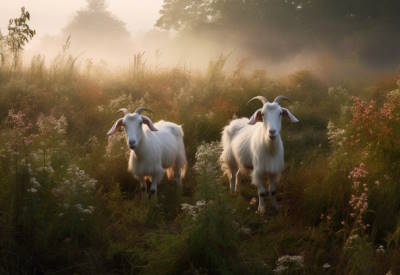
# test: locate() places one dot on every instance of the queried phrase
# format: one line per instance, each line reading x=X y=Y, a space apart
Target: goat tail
x=224 y=163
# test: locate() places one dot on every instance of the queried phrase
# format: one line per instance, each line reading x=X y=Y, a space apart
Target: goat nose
x=272 y=132
x=132 y=143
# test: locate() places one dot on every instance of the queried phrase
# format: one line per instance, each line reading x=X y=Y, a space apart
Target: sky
x=50 y=16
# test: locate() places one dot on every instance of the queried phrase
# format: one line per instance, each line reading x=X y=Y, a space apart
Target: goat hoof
x=261 y=210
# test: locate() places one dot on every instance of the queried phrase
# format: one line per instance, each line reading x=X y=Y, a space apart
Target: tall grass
x=69 y=205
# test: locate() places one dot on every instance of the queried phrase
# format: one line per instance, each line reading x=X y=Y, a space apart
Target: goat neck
x=141 y=148
x=271 y=144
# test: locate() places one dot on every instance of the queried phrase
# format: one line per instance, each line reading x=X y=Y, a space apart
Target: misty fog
x=284 y=37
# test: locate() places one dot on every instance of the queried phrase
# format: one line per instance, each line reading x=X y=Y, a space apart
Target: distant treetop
x=96 y=5
x=97 y=32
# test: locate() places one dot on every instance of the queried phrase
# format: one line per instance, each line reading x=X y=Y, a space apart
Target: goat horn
x=123 y=110
x=139 y=110
x=279 y=98
x=260 y=98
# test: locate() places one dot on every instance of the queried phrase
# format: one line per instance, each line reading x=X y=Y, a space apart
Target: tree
x=185 y=14
x=279 y=28
x=97 y=5
x=19 y=33
x=99 y=33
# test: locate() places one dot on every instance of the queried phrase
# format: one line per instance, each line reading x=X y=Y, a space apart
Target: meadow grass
x=69 y=205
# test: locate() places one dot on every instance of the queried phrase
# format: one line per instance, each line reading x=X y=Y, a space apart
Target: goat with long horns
x=254 y=146
x=154 y=150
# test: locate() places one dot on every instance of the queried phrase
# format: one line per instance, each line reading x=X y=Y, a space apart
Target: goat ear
x=256 y=117
x=149 y=123
x=117 y=126
x=286 y=113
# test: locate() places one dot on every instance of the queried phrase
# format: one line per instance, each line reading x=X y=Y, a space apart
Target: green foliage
x=282 y=29
x=360 y=254
x=19 y=33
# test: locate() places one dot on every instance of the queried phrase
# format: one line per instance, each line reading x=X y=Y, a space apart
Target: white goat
x=256 y=148
x=154 y=149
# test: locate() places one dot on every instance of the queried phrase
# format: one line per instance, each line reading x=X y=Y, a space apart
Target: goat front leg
x=232 y=180
x=178 y=176
x=273 y=181
x=259 y=180
x=237 y=182
x=143 y=187
x=154 y=182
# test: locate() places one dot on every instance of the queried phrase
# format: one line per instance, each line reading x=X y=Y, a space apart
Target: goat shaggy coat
x=154 y=148
x=254 y=146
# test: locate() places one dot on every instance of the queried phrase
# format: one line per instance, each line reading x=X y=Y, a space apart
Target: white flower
x=335 y=135
x=245 y=230
x=326 y=265
x=32 y=190
x=284 y=262
x=280 y=269
x=291 y=259
x=193 y=210
x=100 y=108
x=207 y=159
x=201 y=203
x=380 y=249
x=86 y=211
x=35 y=182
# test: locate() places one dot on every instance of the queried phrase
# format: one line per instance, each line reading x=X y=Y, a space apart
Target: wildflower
x=245 y=230
x=193 y=210
x=86 y=211
x=359 y=197
x=326 y=265
x=34 y=182
x=201 y=203
x=100 y=108
x=335 y=135
x=61 y=125
x=207 y=156
x=253 y=201
x=280 y=269
x=380 y=249
x=284 y=262
x=351 y=239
